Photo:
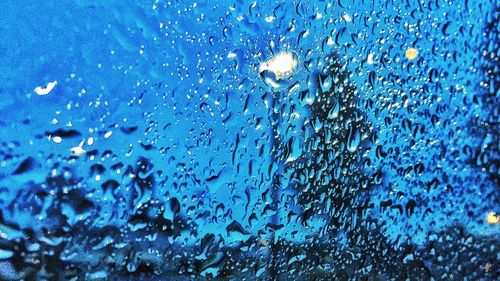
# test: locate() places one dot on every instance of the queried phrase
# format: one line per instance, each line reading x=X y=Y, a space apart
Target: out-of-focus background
x=192 y=140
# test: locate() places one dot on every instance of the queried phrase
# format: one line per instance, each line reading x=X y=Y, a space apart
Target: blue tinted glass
x=249 y=140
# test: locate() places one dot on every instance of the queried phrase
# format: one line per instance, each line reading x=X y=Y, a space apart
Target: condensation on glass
x=219 y=140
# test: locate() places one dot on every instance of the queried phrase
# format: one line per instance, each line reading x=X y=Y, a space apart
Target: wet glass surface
x=247 y=140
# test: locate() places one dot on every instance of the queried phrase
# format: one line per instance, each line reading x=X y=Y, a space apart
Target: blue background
x=200 y=119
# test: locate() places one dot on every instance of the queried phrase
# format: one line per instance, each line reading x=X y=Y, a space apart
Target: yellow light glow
x=411 y=53
x=492 y=218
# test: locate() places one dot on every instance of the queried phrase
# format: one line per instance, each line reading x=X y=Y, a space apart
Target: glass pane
x=249 y=140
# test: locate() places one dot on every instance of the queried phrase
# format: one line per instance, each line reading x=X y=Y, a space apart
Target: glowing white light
x=369 y=60
x=282 y=66
x=269 y=19
x=77 y=151
x=347 y=17
x=45 y=91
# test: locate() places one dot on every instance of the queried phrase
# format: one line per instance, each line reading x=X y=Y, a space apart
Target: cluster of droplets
x=257 y=140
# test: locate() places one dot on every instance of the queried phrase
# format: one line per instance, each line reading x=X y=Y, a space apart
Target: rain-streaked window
x=249 y=140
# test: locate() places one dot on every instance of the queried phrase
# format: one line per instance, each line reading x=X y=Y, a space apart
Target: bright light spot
x=45 y=91
x=369 y=60
x=108 y=134
x=411 y=53
x=77 y=151
x=347 y=17
x=280 y=66
x=57 y=139
x=492 y=218
x=269 y=19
